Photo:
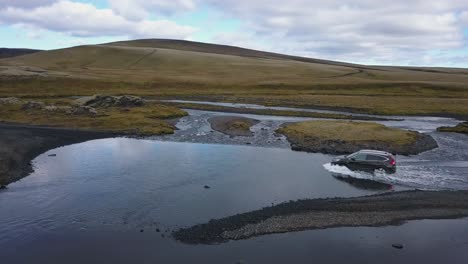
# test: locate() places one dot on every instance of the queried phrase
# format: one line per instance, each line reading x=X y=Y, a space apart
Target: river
x=117 y=200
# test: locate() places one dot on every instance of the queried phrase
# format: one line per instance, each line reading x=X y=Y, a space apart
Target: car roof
x=378 y=152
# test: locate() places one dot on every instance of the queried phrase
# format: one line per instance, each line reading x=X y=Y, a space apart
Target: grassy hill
x=7 y=53
x=183 y=69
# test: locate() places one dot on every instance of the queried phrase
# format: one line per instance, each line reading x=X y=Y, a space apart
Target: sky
x=397 y=32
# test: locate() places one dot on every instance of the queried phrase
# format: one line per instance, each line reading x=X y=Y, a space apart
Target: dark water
x=104 y=201
x=91 y=202
x=141 y=183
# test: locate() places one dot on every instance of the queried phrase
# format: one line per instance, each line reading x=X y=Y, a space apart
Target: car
x=368 y=160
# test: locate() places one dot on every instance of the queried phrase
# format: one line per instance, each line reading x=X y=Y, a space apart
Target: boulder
x=33 y=105
x=51 y=108
x=111 y=101
x=82 y=110
x=9 y=101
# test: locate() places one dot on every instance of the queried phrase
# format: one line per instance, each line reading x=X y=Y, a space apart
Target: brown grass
x=460 y=128
x=188 y=70
x=348 y=131
x=146 y=120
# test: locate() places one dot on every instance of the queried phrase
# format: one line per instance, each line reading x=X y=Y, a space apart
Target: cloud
x=363 y=31
x=464 y=18
x=141 y=9
x=85 y=20
x=353 y=30
x=25 y=3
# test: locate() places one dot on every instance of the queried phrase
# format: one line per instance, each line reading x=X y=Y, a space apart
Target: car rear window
x=375 y=157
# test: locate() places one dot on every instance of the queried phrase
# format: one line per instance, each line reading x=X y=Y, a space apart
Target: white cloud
x=85 y=20
x=141 y=9
x=25 y=3
x=464 y=18
x=354 y=30
x=366 y=31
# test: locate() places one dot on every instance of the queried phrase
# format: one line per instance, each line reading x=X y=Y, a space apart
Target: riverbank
x=345 y=137
x=19 y=144
x=375 y=210
x=460 y=128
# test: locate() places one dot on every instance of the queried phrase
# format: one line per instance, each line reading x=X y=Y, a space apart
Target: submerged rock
x=397 y=246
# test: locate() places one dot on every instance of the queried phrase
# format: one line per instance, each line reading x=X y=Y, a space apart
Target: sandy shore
x=19 y=144
x=377 y=210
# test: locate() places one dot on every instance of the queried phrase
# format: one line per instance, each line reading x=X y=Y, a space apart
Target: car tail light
x=393 y=162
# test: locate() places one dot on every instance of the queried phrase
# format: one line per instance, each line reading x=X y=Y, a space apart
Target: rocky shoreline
x=375 y=210
x=20 y=144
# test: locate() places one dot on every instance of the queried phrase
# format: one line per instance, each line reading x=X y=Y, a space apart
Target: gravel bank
x=19 y=144
x=377 y=210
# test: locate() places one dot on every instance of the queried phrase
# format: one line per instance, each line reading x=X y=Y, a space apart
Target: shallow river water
x=116 y=200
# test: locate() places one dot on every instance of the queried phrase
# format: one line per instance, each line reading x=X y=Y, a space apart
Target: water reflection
x=364 y=184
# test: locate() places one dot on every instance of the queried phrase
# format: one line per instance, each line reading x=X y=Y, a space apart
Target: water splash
x=414 y=176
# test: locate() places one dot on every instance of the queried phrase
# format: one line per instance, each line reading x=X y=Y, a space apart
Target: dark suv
x=368 y=160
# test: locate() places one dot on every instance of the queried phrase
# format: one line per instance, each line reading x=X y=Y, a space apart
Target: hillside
x=173 y=68
x=8 y=53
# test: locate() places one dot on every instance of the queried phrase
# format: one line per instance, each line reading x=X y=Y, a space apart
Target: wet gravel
x=196 y=128
x=376 y=210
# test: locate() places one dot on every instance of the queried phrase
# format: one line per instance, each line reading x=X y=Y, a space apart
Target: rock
x=111 y=101
x=2 y=187
x=9 y=100
x=82 y=110
x=33 y=105
x=206 y=187
x=52 y=155
x=397 y=246
x=248 y=143
x=158 y=230
x=141 y=230
x=51 y=108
